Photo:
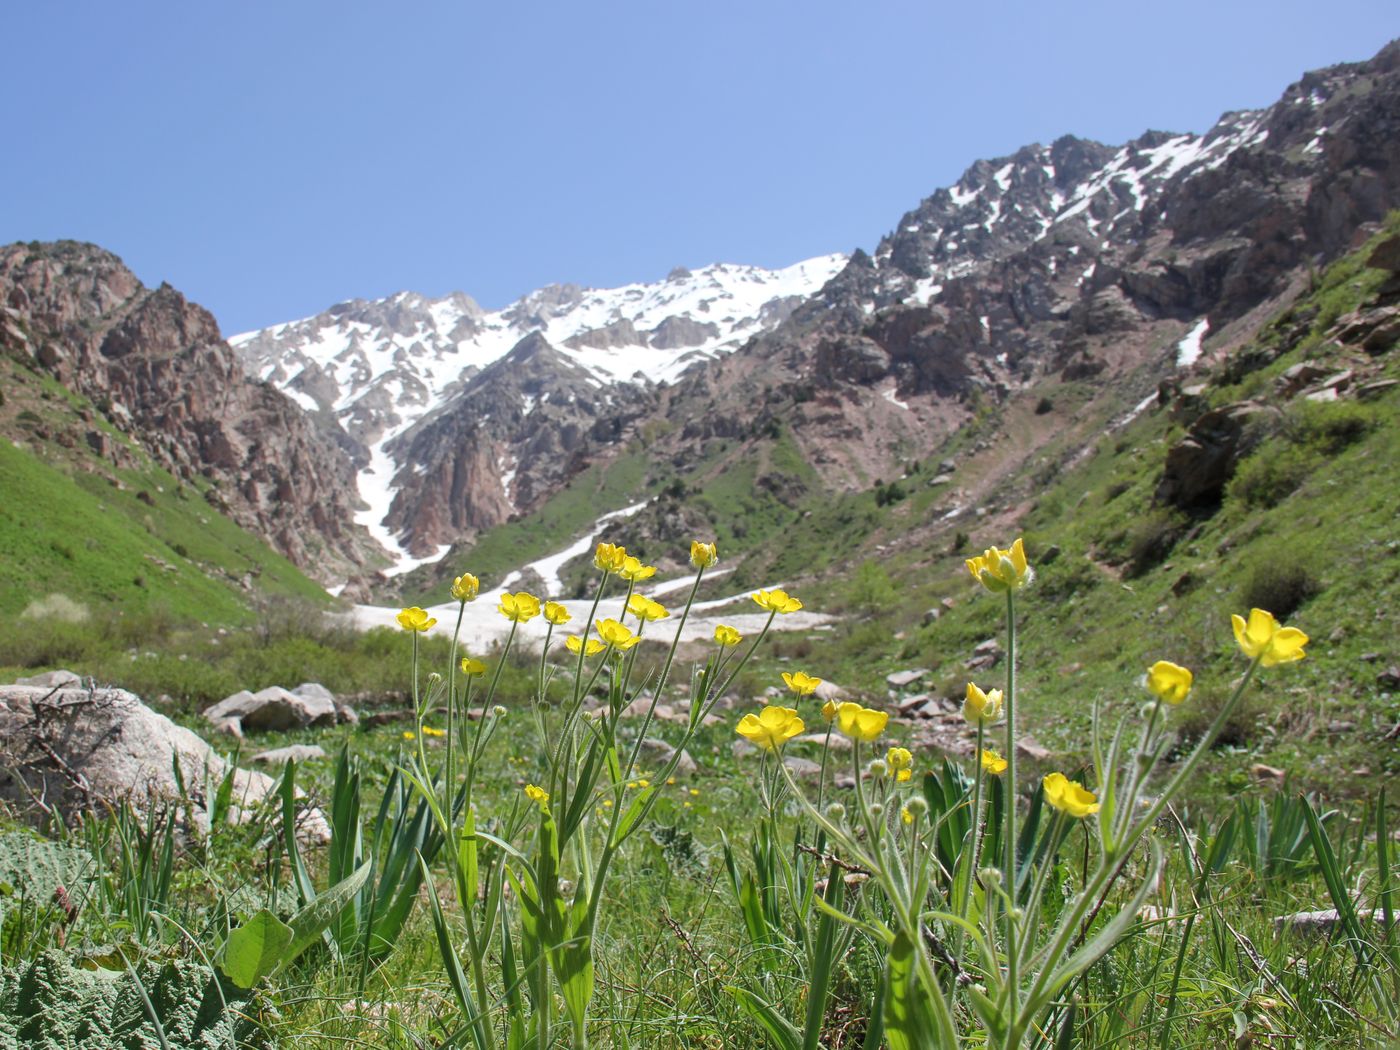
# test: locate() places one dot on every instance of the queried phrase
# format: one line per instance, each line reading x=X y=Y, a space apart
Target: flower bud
x=498 y=711
x=917 y=805
x=836 y=811
x=878 y=769
x=990 y=878
x=876 y=810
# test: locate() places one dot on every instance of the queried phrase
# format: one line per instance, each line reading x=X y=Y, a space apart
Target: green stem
x=1009 y=847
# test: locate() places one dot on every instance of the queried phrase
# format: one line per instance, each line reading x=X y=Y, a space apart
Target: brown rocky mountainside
x=1076 y=268
x=158 y=368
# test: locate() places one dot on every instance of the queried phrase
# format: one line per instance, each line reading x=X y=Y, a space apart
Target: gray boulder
x=280 y=756
x=70 y=750
x=50 y=679
x=275 y=708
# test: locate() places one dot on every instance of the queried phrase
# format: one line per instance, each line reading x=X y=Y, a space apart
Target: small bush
x=1150 y=541
x=1280 y=586
x=1271 y=475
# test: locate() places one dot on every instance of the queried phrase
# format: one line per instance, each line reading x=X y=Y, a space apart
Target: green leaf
x=775 y=1024
x=255 y=949
x=909 y=1024
x=316 y=917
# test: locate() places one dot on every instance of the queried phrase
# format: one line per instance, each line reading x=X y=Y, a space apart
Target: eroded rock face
x=1200 y=464
x=65 y=750
x=159 y=369
x=275 y=709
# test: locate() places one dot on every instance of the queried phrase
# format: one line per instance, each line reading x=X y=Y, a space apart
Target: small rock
x=280 y=756
x=346 y=715
x=1338 y=634
x=830 y=691
x=931 y=616
x=1267 y=775
x=384 y=718
x=802 y=767
x=740 y=748
x=837 y=742
x=1389 y=678
x=991 y=645
x=900 y=679
x=910 y=704
x=1316 y=922
x=1029 y=747
x=1369 y=658
x=660 y=753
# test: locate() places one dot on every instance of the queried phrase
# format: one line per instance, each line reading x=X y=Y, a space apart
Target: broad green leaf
x=778 y=1027
x=255 y=949
x=315 y=918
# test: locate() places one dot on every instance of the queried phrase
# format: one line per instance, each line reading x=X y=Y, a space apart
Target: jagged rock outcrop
x=157 y=367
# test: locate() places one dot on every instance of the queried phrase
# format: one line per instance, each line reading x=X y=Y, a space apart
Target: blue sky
x=271 y=158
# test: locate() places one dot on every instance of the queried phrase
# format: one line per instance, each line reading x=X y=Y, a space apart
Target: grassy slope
x=133 y=540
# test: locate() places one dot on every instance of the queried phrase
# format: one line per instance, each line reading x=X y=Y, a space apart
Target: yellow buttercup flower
x=556 y=614
x=465 y=587
x=520 y=607
x=980 y=707
x=415 y=619
x=1260 y=637
x=999 y=570
x=861 y=723
x=472 y=666
x=899 y=763
x=1069 y=796
x=646 y=609
x=409 y=734
x=616 y=635
x=431 y=731
x=702 y=555
x=633 y=570
x=610 y=558
x=771 y=728
x=777 y=601
x=993 y=763
x=905 y=815
x=726 y=635
x=830 y=709
x=535 y=793
x=1169 y=681
x=801 y=683
x=574 y=643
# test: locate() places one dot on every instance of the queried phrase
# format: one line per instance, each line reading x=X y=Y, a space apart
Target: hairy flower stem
x=1009 y=846
x=979 y=776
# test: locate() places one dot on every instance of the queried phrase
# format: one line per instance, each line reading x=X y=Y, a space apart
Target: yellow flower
x=646 y=609
x=726 y=635
x=830 y=710
x=535 y=793
x=906 y=816
x=694 y=792
x=1263 y=639
x=573 y=643
x=981 y=707
x=801 y=683
x=430 y=731
x=610 y=558
x=899 y=763
x=861 y=723
x=1170 y=682
x=415 y=619
x=999 y=570
x=993 y=763
x=465 y=587
x=703 y=555
x=643 y=783
x=635 y=571
x=777 y=601
x=409 y=734
x=519 y=607
x=1069 y=796
x=556 y=613
x=616 y=635
x=607 y=803
x=771 y=728
x=472 y=667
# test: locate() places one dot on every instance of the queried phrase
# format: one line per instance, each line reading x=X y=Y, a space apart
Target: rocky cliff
x=156 y=365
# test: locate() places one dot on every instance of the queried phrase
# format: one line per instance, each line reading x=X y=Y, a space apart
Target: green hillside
x=127 y=540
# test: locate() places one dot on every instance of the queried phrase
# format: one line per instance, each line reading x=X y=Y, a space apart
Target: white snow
x=1003 y=176
x=1188 y=351
x=961 y=197
x=892 y=396
x=548 y=567
x=417 y=371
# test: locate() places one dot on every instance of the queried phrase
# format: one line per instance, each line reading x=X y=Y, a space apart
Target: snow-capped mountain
x=378 y=369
